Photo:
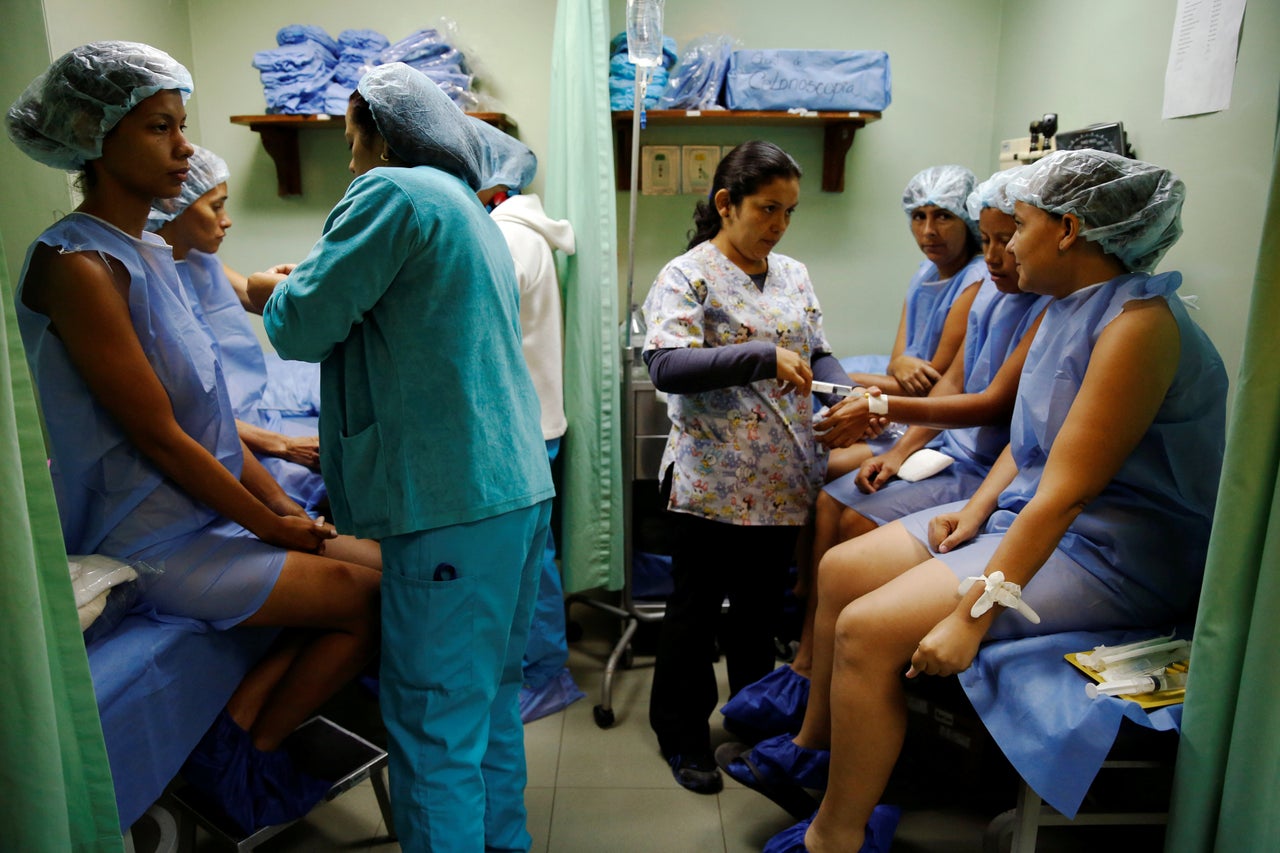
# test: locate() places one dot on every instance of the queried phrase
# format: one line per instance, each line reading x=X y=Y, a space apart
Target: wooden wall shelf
x=280 y=138
x=838 y=129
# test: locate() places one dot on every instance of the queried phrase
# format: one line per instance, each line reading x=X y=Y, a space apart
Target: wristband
x=877 y=405
x=998 y=591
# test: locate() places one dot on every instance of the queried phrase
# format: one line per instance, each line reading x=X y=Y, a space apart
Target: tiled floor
x=593 y=789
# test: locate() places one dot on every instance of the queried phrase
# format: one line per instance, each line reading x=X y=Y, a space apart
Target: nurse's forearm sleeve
x=689 y=370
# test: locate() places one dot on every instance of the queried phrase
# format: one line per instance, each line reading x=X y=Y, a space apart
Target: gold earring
x=383 y=157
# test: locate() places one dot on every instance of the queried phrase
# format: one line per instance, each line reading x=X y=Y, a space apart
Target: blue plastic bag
x=832 y=80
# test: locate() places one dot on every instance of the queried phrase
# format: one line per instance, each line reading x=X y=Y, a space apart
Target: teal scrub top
x=410 y=303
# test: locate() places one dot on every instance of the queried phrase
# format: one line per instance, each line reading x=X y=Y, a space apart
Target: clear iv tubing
x=644 y=50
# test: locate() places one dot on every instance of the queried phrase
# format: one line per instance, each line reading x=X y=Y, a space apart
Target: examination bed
x=1033 y=703
x=159 y=686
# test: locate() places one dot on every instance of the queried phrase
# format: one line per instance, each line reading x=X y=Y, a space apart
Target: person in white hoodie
x=531 y=236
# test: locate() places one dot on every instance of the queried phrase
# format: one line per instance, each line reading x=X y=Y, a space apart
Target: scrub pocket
x=427 y=630
x=364 y=477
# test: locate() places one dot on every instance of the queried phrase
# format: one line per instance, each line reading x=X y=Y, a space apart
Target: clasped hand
x=849 y=421
x=949 y=647
x=262 y=284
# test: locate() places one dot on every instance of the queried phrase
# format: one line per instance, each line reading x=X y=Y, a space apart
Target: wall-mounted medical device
x=1107 y=136
x=1028 y=149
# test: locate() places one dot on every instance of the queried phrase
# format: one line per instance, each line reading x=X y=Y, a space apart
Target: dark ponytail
x=742 y=172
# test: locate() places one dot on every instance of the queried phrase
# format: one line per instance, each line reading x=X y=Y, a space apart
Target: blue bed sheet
x=1033 y=703
x=159 y=685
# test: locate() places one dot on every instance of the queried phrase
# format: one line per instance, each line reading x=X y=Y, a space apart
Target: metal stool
x=331 y=752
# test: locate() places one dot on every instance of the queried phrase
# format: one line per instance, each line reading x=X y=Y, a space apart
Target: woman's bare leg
x=874 y=639
x=848 y=571
x=340 y=602
x=833 y=523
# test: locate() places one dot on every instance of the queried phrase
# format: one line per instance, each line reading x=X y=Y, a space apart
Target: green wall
x=965 y=75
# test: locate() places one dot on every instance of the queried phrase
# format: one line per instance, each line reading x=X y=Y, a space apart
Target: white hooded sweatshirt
x=531 y=235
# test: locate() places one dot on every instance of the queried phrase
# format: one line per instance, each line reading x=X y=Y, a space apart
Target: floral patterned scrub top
x=744 y=454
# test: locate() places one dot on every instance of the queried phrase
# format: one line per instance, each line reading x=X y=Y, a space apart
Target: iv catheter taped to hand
x=998 y=591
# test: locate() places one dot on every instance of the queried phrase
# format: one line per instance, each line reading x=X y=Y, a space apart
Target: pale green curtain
x=1228 y=771
x=55 y=784
x=579 y=187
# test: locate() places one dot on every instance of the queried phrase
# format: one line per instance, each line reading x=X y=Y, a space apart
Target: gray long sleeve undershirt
x=690 y=370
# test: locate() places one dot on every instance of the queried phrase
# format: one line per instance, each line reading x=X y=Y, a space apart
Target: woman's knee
x=865 y=639
x=853 y=524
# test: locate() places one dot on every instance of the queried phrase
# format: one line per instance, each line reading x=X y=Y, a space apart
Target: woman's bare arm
x=87 y=305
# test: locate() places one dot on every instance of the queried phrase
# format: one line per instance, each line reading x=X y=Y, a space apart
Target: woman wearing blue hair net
x=430 y=442
x=1096 y=516
x=146 y=461
x=936 y=307
x=195 y=224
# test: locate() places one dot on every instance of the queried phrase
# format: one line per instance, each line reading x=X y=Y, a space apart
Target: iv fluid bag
x=644 y=32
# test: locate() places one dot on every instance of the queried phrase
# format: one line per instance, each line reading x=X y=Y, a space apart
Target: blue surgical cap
x=420 y=122
x=205 y=171
x=1130 y=208
x=947 y=187
x=993 y=192
x=507 y=161
x=62 y=117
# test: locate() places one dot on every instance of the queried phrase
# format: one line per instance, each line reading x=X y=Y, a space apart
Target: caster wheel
x=604 y=716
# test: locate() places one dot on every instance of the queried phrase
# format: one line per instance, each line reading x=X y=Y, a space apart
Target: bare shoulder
x=54 y=277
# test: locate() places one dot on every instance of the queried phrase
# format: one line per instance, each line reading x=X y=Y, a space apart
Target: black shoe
x=697 y=772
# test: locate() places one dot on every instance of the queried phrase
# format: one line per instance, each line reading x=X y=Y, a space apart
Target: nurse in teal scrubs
x=430 y=442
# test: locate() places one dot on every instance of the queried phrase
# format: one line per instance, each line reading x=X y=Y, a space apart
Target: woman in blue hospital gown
x=429 y=441
x=146 y=462
x=195 y=224
x=1097 y=515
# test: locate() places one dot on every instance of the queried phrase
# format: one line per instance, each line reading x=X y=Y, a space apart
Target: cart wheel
x=604 y=716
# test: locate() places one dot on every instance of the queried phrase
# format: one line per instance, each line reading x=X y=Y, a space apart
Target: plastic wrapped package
x=622 y=74
x=699 y=75
x=835 y=80
x=105 y=590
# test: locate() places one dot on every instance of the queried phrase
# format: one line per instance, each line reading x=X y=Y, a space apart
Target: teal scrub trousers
x=456 y=606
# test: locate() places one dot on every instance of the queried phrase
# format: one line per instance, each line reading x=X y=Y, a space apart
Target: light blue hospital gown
x=997 y=324
x=927 y=303
x=217 y=307
x=744 y=454
x=112 y=500
x=1135 y=555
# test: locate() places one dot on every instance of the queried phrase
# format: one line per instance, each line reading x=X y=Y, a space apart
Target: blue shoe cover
x=779 y=760
x=879 y=837
x=773 y=705
x=250 y=787
x=218 y=769
x=282 y=792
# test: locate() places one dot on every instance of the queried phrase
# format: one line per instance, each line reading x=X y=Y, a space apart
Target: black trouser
x=712 y=561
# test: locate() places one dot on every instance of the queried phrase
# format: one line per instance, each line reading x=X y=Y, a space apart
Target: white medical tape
x=998 y=591
x=877 y=405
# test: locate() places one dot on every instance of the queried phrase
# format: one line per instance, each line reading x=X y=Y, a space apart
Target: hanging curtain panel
x=53 y=763
x=579 y=187
x=1229 y=757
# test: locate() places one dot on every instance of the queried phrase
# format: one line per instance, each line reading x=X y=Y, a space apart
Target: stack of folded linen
x=296 y=75
x=428 y=51
x=358 y=52
x=622 y=74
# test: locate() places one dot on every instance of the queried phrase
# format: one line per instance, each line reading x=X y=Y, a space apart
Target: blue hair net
x=421 y=124
x=1130 y=208
x=507 y=161
x=947 y=187
x=63 y=115
x=205 y=171
x=993 y=192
